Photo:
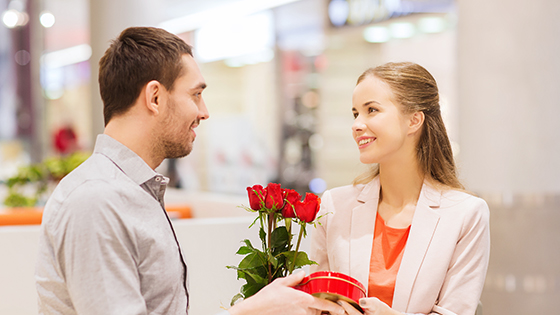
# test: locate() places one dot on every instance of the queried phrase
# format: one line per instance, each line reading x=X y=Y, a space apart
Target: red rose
x=257 y=195
x=274 y=198
x=292 y=197
x=307 y=209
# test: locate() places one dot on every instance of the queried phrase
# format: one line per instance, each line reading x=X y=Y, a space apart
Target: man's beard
x=171 y=143
x=174 y=149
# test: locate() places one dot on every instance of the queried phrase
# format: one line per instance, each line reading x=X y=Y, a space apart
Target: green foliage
x=37 y=177
x=277 y=259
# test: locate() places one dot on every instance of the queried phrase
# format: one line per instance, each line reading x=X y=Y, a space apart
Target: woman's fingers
x=350 y=310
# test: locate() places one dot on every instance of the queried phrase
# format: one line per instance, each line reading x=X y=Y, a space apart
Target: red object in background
x=333 y=286
x=65 y=140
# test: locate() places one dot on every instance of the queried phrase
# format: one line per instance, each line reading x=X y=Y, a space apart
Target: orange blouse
x=386 y=255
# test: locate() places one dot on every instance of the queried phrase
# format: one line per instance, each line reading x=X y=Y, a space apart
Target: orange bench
x=30 y=216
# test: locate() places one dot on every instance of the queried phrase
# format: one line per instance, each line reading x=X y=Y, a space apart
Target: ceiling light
x=66 y=56
x=338 y=12
x=11 y=18
x=376 y=34
x=47 y=19
x=402 y=30
x=236 y=9
x=431 y=25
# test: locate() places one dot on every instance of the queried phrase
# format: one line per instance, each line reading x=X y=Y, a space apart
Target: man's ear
x=415 y=122
x=152 y=96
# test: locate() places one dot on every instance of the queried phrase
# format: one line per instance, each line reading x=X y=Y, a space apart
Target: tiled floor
x=524 y=272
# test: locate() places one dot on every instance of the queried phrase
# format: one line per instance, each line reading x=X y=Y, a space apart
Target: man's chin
x=179 y=153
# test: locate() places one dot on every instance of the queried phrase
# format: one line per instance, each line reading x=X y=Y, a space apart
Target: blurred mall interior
x=280 y=76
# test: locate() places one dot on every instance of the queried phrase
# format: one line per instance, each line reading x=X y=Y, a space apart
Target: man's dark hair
x=138 y=56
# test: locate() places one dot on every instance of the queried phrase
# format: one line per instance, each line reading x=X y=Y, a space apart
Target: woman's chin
x=367 y=160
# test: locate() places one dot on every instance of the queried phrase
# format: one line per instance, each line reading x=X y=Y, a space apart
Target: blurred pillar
x=508 y=69
x=107 y=19
x=27 y=47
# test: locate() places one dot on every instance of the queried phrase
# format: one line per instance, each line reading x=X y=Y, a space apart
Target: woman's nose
x=358 y=125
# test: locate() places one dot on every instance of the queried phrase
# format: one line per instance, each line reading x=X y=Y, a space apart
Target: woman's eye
x=371 y=110
x=355 y=115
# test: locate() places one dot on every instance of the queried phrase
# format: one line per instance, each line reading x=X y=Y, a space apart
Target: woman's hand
x=279 y=298
x=371 y=306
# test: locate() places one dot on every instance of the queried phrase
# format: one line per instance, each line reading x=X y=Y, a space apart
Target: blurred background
x=280 y=76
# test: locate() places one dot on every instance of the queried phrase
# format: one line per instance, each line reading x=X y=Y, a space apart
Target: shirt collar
x=129 y=162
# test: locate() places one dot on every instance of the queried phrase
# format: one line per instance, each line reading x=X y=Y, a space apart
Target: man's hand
x=371 y=306
x=280 y=298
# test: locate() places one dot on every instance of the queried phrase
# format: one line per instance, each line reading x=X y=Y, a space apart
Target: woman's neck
x=400 y=189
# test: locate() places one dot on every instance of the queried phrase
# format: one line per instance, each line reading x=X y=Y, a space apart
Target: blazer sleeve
x=465 y=277
x=319 y=237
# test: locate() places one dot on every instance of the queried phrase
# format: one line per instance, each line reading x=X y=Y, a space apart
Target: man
x=107 y=245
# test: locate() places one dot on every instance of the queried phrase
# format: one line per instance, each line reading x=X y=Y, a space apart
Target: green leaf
x=251 y=289
x=301 y=260
x=273 y=260
x=253 y=260
x=280 y=239
x=244 y=250
x=254 y=221
x=253 y=274
x=236 y=298
x=248 y=243
x=240 y=274
x=262 y=235
x=15 y=199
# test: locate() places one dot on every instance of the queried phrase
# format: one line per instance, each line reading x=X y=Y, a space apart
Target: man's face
x=184 y=110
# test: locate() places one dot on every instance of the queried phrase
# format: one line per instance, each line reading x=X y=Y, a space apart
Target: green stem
x=288 y=224
x=270 y=222
x=262 y=226
x=297 y=247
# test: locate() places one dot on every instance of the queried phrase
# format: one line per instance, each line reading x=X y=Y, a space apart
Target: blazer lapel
x=362 y=229
x=423 y=226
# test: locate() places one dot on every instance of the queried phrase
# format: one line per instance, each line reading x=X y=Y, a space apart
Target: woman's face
x=380 y=129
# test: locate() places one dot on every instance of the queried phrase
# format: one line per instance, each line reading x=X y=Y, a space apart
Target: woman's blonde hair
x=416 y=90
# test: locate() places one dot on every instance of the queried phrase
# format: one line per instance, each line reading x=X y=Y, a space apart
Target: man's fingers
x=326 y=305
x=350 y=310
x=291 y=280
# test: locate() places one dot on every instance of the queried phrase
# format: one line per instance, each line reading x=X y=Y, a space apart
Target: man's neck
x=135 y=138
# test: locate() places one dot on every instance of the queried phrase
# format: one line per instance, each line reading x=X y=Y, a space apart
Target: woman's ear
x=416 y=121
x=152 y=96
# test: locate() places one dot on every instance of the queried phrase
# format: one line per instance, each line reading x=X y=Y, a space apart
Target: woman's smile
x=364 y=141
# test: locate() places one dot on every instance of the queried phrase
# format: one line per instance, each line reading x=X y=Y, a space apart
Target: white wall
x=18 y=251
x=209 y=246
x=508 y=69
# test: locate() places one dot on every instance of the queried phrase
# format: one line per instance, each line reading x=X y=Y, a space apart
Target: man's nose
x=203 y=113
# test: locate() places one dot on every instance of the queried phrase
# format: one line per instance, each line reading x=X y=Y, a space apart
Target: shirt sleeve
x=97 y=254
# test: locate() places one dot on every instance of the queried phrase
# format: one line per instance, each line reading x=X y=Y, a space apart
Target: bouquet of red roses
x=277 y=257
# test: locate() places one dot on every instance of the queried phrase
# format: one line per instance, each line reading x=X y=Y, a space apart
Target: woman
x=407 y=229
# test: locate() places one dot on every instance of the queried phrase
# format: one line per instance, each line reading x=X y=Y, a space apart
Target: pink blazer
x=446 y=257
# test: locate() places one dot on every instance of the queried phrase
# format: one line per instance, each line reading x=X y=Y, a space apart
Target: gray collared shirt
x=106 y=243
